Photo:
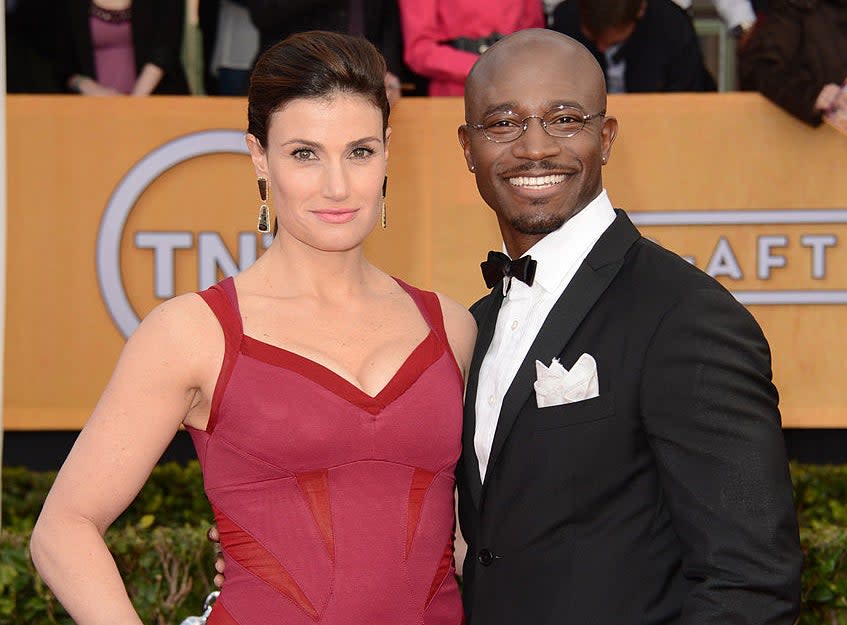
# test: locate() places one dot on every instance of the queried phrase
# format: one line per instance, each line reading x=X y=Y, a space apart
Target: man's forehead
x=526 y=76
x=506 y=93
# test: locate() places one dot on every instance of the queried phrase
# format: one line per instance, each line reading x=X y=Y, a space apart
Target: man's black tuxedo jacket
x=666 y=499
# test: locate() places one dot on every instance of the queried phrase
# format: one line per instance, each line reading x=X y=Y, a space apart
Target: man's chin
x=539 y=225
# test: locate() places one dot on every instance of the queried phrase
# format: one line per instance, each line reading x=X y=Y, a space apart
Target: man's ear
x=257 y=155
x=465 y=142
x=608 y=133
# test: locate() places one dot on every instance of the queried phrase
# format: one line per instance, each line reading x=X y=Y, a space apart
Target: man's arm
x=710 y=410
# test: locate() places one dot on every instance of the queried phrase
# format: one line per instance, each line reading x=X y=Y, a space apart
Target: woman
x=323 y=396
x=115 y=47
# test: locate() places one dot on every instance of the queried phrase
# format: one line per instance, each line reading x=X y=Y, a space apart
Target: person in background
x=642 y=45
x=623 y=460
x=444 y=38
x=323 y=396
x=30 y=40
x=378 y=21
x=738 y=15
x=230 y=44
x=797 y=58
x=114 y=47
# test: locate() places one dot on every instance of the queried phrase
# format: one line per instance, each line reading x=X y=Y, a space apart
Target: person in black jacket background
x=155 y=36
x=642 y=45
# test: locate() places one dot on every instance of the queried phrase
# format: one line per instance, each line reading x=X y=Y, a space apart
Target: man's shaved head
x=519 y=49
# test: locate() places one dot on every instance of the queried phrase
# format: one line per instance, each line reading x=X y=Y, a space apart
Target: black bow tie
x=499 y=266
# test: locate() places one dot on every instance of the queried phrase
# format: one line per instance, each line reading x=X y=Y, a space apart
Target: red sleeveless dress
x=333 y=506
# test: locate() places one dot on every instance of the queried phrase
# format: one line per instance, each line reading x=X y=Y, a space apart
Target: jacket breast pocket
x=567 y=415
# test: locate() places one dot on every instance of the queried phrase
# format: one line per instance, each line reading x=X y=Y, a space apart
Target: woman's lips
x=340 y=216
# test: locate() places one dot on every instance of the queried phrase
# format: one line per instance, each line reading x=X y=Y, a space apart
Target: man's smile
x=536 y=182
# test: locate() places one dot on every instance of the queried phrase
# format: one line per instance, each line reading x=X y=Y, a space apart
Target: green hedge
x=172 y=496
x=168 y=573
x=161 y=549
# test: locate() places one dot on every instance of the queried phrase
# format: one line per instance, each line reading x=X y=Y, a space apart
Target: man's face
x=536 y=182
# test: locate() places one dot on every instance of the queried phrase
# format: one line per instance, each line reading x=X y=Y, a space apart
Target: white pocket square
x=556 y=385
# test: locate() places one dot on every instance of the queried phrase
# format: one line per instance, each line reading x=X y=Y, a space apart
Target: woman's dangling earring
x=264 y=224
x=384 y=215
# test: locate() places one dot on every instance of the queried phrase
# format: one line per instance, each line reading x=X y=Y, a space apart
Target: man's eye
x=565 y=119
x=303 y=154
x=503 y=123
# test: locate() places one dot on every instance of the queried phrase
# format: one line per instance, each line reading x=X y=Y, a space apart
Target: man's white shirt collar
x=557 y=252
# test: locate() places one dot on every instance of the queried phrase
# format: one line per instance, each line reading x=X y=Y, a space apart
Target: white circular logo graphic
x=122 y=201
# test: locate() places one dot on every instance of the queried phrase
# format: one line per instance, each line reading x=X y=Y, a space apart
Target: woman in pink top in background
x=324 y=397
x=443 y=38
x=115 y=47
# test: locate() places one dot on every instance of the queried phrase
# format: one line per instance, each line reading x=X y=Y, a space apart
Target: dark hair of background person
x=313 y=64
x=600 y=15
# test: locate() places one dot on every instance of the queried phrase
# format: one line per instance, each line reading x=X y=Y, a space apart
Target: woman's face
x=325 y=160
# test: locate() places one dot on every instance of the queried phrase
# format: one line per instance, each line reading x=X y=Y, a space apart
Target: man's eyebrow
x=500 y=107
x=512 y=106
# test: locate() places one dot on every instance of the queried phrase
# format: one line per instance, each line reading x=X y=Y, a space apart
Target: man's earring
x=604 y=160
x=473 y=168
x=264 y=224
x=384 y=217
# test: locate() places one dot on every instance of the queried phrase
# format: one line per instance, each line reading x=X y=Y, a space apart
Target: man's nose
x=535 y=143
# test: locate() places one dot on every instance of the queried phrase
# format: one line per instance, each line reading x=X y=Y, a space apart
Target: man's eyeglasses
x=559 y=121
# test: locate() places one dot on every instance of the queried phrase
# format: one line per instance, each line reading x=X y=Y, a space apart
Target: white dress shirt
x=524 y=309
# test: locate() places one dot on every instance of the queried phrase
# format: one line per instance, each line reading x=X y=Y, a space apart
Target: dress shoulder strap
x=430 y=308
x=223 y=301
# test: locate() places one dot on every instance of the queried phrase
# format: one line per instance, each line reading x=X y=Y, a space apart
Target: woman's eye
x=361 y=152
x=303 y=154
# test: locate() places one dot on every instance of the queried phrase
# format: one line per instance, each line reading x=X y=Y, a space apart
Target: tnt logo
x=183 y=233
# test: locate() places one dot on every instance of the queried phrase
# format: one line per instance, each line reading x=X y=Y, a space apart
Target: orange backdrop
x=116 y=203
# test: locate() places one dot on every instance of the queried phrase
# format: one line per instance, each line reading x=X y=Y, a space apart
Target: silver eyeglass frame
x=524 y=124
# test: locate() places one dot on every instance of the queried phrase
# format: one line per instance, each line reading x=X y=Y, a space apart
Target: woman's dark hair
x=313 y=64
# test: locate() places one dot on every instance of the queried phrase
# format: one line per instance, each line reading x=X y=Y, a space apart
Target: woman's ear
x=387 y=140
x=257 y=155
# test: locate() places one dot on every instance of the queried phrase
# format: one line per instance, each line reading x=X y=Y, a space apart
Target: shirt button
x=491 y=400
x=514 y=324
x=485 y=557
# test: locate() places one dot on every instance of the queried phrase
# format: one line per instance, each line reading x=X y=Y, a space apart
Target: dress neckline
x=111 y=16
x=424 y=354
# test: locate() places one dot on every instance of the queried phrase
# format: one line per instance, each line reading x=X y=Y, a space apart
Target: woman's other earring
x=384 y=216
x=264 y=224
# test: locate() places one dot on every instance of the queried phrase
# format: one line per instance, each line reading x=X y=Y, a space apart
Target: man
x=663 y=496
x=642 y=45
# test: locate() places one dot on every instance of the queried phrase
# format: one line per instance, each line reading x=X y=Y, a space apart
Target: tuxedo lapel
x=588 y=284
x=485 y=314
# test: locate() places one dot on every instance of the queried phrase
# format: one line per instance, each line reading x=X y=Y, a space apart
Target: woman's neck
x=290 y=268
